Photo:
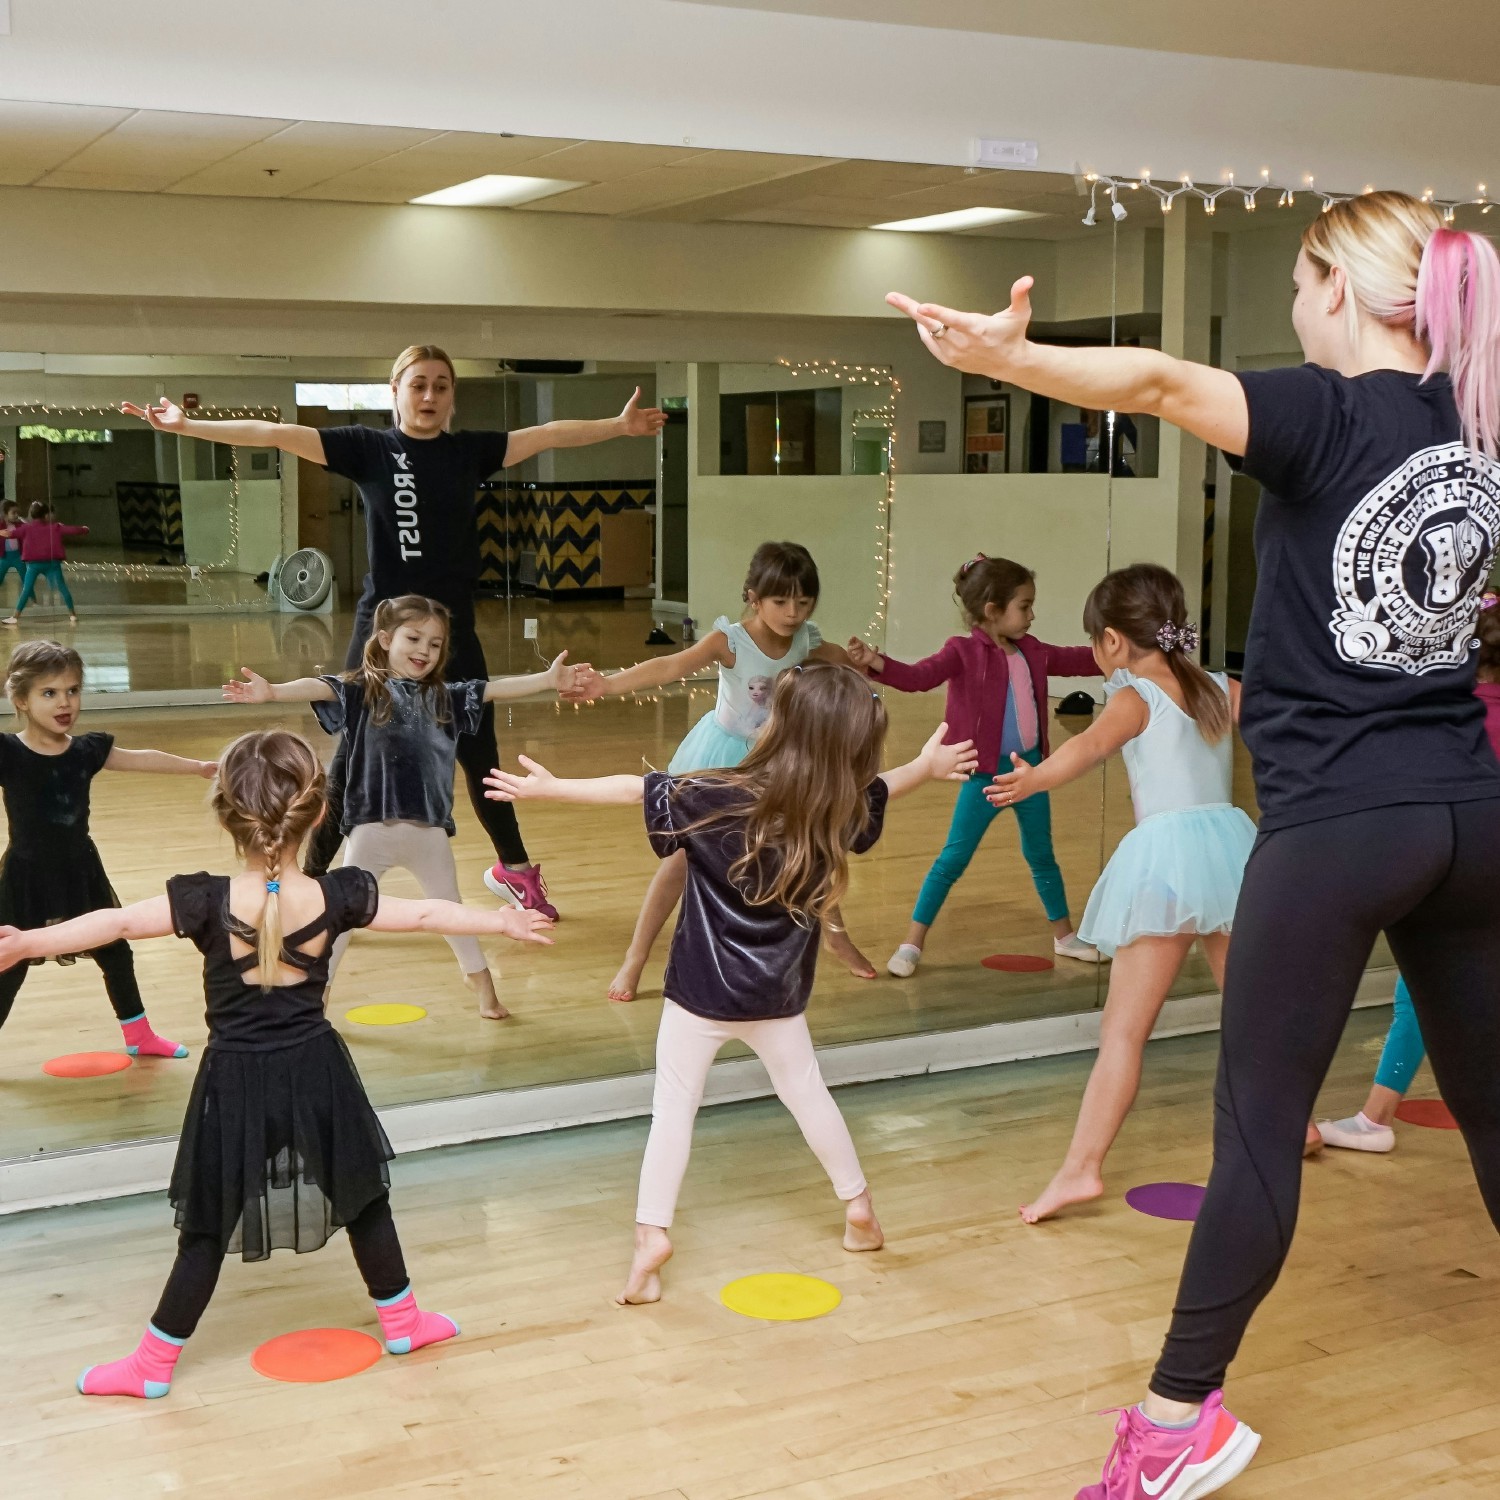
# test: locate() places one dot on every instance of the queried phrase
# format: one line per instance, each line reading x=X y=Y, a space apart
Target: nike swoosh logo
x=1162 y=1480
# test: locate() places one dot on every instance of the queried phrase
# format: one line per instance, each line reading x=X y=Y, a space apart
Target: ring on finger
x=938 y=331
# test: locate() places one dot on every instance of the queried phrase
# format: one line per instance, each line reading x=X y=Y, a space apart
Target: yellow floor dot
x=384 y=1015
x=781 y=1297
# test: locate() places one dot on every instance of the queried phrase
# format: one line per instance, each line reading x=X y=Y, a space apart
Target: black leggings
x=478 y=755
x=195 y=1272
x=1313 y=902
x=116 y=962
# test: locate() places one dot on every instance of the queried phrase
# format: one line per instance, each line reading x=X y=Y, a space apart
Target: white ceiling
x=155 y=151
x=1457 y=40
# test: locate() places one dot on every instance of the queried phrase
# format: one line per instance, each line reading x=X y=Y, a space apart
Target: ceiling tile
x=37 y=137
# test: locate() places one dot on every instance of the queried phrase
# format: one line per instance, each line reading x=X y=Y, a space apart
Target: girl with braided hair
x=280 y=1147
x=1174 y=879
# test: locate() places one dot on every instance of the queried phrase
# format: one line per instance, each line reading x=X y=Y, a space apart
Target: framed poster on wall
x=986 y=434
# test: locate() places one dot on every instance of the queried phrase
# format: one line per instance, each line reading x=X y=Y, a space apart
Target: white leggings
x=686 y=1046
x=428 y=854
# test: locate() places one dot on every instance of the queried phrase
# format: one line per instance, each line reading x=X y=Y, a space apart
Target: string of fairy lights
x=1114 y=188
x=33 y=412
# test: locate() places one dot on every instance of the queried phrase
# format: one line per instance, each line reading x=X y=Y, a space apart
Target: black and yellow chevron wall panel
x=558 y=524
x=150 y=516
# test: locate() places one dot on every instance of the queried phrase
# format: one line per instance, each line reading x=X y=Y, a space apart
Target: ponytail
x=1206 y=704
x=1458 y=317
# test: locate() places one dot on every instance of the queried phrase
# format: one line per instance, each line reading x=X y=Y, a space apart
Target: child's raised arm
x=255 y=689
x=937 y=762
x=1124 y=717
x=558 y=678
x=396 y=914
x=160 y=763
x=712 y=650
x=143 y=919
x=540 y=785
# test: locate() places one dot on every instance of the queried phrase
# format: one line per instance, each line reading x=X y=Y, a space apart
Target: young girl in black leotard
x=280 y=1147
x=51 y=870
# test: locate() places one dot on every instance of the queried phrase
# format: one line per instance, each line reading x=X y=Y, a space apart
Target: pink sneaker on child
x=1149 y=1462
x=522 y=888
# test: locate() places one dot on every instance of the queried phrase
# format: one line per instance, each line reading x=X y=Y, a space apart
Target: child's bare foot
x=483 y=985
x=840 y=945
x=653 y=1249
x=623 y=986
x=862 y=1229
x=1067 y=1188
x=1312 y=1142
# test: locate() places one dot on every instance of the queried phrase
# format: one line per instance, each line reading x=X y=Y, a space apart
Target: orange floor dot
x=1432 y=1113
x=87 y=1064
x=313 y=1355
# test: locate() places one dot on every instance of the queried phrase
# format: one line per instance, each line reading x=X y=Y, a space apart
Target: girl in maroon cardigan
x=997 y=697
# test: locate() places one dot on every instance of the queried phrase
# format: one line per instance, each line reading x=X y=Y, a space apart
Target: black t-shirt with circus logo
x=419 y=507
x=1376 y=532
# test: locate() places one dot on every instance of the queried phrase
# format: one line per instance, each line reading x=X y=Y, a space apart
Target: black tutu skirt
x=279 y=1149
x=38 y=889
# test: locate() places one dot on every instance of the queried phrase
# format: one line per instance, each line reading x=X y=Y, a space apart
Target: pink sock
x=406 y=1327
x=146 y=1373
x=141 y=1041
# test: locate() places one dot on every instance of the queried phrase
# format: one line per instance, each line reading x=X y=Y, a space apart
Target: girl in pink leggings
x=767 y=847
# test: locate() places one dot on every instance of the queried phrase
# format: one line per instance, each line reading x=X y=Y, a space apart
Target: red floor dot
x=1432 y=1113
x=1017 y=963
x=87 y=1064
x=313 y=1355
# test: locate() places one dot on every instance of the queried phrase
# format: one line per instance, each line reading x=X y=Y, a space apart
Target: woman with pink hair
x=1379 y=792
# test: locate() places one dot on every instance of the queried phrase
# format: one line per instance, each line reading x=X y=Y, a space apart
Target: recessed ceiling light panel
x=961 y=218
x=497 y=191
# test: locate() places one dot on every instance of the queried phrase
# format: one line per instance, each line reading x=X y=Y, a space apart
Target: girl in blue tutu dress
x=775 y=634
x=1175 y=877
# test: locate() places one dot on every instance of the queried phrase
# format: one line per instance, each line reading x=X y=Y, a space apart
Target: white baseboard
x=52 y=1179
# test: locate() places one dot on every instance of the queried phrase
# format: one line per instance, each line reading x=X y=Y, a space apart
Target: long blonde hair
x=269 y=794
x=803 y=786
x=1403 y=268
x=374 y=672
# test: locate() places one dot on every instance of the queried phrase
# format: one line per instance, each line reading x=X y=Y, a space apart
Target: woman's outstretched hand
x=639 y=421
x=949 y=762
x=1014 y=786
x=993 y=345
x=536 y=785
x=163 y=415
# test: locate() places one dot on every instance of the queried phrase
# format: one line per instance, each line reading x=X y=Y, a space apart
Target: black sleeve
x=353 y=451
x=332 y=715
x=188 y=898
x=96 y=748
x=485 y=450
x=352 y=895
x=1298 y=429
x=877 y=796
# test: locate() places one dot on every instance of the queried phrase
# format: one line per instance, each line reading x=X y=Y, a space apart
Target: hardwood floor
x=968 y=1358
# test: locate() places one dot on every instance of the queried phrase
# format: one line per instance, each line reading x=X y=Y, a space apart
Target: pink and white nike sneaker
x=1149 y=1462
x=522 y=888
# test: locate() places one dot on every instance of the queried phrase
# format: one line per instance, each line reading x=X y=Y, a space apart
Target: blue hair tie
x=272 y=887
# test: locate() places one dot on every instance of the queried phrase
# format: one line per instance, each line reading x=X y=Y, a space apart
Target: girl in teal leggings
x=41 y=537
x=997 y=697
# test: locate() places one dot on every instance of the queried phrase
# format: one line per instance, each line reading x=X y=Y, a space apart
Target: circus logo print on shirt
x=1411 y=562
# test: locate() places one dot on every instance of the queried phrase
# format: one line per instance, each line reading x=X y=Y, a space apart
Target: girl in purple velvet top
x=997 y=697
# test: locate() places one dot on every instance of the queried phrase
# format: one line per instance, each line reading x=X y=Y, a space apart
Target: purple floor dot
x=1166 y=1200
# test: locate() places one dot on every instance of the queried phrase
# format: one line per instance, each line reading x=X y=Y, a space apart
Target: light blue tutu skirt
x=708 y=746
x=1176 y=872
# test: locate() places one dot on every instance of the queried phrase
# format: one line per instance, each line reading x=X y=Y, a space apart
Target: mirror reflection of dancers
x=52 y=870
x=403 y=718
x=1379 y=793
x=775 y=633
x=280 y=1147
x=766 y=847
x=418 y=481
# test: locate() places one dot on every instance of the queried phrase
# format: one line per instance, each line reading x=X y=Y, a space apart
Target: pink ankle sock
x=141 y=1041
x=406 y=1327
x=146 y=1373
